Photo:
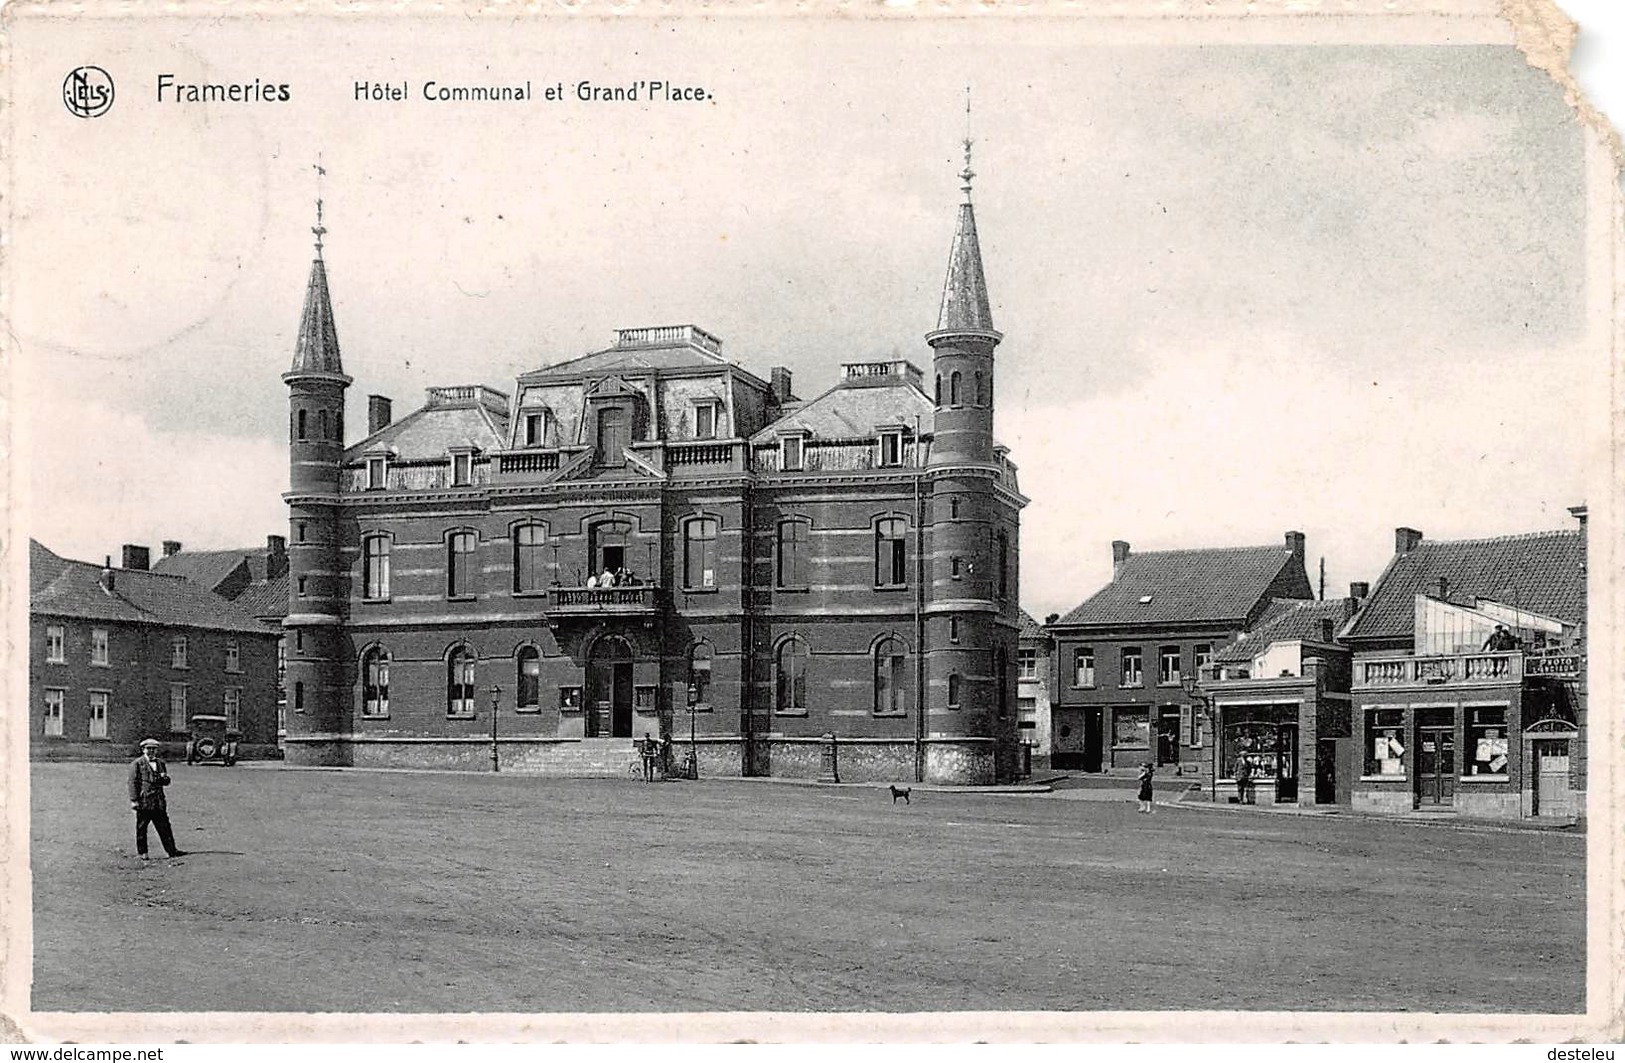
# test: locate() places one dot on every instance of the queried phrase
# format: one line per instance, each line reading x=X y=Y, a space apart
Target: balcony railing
x=614 y=601
x=1457 y=668
x=701 y=452
x=545 y=461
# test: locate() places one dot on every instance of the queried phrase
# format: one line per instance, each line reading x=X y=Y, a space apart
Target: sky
x=1244 y=289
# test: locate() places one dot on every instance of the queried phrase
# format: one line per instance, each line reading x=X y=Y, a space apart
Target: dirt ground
x=328 y=891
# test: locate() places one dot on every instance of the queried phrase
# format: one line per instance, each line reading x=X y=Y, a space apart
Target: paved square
x=336 y=891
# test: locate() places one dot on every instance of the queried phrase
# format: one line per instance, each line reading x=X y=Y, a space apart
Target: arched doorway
x=609 y=688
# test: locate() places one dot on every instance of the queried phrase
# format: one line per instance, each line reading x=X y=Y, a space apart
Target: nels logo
x=88 y=91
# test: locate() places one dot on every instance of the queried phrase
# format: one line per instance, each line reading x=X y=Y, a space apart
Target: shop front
x=1263 y=740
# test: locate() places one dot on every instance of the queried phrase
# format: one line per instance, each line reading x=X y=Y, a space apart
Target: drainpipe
x=919 y=606
x=747 y=706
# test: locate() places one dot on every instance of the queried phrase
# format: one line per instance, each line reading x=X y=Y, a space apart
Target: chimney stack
x=1119 y=555
x=1359 y=590
x=1441 y=588
x=1294 y=542
x=1579 y=514
x=171 y=547
x=379 y=413
x=1406 y=540
x=276 y=556
x=137 y=558
x=107 y=574
x=1326 y=630
x=779 y=380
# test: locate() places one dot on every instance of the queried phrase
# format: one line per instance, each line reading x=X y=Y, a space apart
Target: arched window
x=699 y=675
x=609 y=547
x=891 y=676
x=375 y=567
x=953 y=508
x=790 y=678
x=460 y=682
x=528 y=542
x=891 y=552
x=460 y=547
x=792 y=560
x=700 y=553
x=953 y=389
x=299 y=431
x=953 y=690
x=375 y=682
x=981 y=389
x=529 y=681
x=939 y=390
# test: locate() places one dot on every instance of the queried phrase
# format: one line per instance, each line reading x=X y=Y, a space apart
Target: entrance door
x=1094 y=734
x=1326 y=771
x=609 y=689
x=1435 y=766
x=1552 y=794
x=1286 y=762
x=1168 y=735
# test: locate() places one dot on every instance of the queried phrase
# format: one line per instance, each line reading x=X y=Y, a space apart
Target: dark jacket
x=147 y=782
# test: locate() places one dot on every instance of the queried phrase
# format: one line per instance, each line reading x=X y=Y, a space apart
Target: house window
x=304 y=586
x=1002 y=559
x=55 y=645
x=1384 y=742
x=953 y=508
x=953 y=567
x=792 y=560
x=539 y=428
x=891 y=448
x=790 y=453
x=1133 y=674
x=462 y=469
x=790 y=679
x=178 y=718
x=891 y=677
x=460 y=682
x=1131 y=728
x=890 y=552
x=953 y=629
x=177 y=652
x=299 y=429
x=528 y=541
x=1195 y=716
x=460 y=564
x=98 y=647
x=1203 y=659
x=299 y=532
x=699 y=675
x=98 y=713
x=377 y=473
x=1487 y=741
x=705 y=420
x=1027 y=662
x=299 y=641
x=233 y=704
x=298 y=696
x=953 y=389
x=1083 y=667
x=375 y=682
x=953 y=687
x=375 y=568
x=234 y=660
x=614 y=436
x=1168 y=665
x=529 y=687
x=53 y=712
x=281 y=663
x=700 y=554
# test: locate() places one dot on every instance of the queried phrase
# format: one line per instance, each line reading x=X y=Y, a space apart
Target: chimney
x=780 y=382
x=171 y=547
x=1119 y=555
x=379 y=413
x=137 y=558
x=276 y=556
x=107 y=574
x=1406 y=540
x=1441 y=588
x=1294 y=542
x=1326 y=630
x=1579 y=514
x=1360 y=591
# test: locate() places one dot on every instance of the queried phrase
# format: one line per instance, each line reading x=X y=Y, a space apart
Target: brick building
x=1122 y=657
x=1450 y=715
x=1034 y=674
x=121 y=654
x=785 y=569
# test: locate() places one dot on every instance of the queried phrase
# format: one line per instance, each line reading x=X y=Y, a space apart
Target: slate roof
x=964 y=292
x=266 y=599
x=631 y=359
x=1543 y=571
x=316 y=349
x=209 y=568
x=428 y=432
x=76 y=591
x=854 y=413
x=1222 y=584
x=1286 y=619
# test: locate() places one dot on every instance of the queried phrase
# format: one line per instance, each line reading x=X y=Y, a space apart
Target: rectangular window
x=1385 y=742
x=462 y=469
x=177 y=652
x=953 y=629
x=792 y=560
x=234 y=660
x=891 y=552
x=705 y=420
x=953 y=690
x=614 y=436
x=1083 y=667
x=375 y=568
x=700 y=554
x=1195 y=715
x=1133 y=674
x=1027 y=662
x=536 y=429
x=460 y=564
x=1168 y=665
x=953 y=567
x=891 y=448
x=529 y=576
x=53 y=712
x=790 y=453
x=98 y=713
x=1131 y=728
x=1203 y=659
x=55 y=645
x=233 y=704
x=303 y=586
x=377 y=474
x=281 y=663
x=178 y=718
x=1487 y=741
x=98 y=647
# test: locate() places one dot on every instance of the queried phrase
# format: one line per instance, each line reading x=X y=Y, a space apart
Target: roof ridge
x=1281 y=547
x=1564 y=533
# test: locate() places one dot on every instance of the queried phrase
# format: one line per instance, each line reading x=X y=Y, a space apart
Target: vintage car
x=211 y=741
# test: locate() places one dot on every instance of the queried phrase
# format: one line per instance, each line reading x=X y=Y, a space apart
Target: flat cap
x=145 y=742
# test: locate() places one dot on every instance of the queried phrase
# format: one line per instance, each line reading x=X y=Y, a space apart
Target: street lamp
x=693 y=745
x=496 y=692
x=1193 y=690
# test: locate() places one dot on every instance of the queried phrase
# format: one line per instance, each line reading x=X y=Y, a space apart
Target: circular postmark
x=87 y=91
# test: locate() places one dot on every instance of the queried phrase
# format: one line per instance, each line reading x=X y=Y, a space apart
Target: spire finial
x=318 y=228
x=967 y=173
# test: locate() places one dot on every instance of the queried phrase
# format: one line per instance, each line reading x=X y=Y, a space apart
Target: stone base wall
x=1487 y=802
x=174 y=752
x=1387 y=802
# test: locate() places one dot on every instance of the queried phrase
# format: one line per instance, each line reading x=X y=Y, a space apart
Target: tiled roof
x=209 y=568
x=1288 y=619
x=429 y=432
x=266 y=599
x=137 y=596
x=1543 y=572
x=854 y=413
x=43 y=567
x=1225 y=584
x=1030 y=628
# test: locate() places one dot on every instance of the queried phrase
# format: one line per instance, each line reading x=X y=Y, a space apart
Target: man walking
x=148 y=777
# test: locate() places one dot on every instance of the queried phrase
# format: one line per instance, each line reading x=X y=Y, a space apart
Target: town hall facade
x=652 y=540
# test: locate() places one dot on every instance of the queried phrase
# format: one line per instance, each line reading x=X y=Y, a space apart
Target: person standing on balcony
x=1500 y=641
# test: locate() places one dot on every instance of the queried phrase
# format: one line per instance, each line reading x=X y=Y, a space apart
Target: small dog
x=899 y=791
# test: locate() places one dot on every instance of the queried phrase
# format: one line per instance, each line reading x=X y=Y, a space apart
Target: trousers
x=159 y=818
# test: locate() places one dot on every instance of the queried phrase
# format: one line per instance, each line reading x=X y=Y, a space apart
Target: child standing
x=1146 y=771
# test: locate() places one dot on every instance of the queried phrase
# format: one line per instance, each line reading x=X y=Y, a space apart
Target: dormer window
x=790 y=453
x=377 y=472
x=462 y=468
x=891 y=448
x=614 y=435
x=539 y=428
x=706 y=418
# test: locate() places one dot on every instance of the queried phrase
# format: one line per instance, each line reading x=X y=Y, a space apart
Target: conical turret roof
x=964 y=294
x=316 y=350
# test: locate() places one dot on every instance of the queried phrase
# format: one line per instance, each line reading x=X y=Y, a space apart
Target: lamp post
x=1193 y=690
x=496 y=692
x=693 y=746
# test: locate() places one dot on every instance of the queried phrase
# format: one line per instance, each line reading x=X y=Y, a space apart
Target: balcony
x=706 y=455
x=1458 y=669
x=574 y=603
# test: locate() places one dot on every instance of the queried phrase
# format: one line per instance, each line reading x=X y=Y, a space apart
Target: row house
x=1035 y=654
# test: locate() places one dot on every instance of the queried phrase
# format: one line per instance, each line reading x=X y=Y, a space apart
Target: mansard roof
x=462 y=416
x=856 y=412
x=1227 y=584
x=638 y=350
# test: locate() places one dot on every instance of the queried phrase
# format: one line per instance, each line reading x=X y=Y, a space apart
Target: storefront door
x=1168 y=735
x=1326 y=771
x=1286 y=762
x=1552 y=794
x=1094 y=738
x=609 y=689
x=1435 y=766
